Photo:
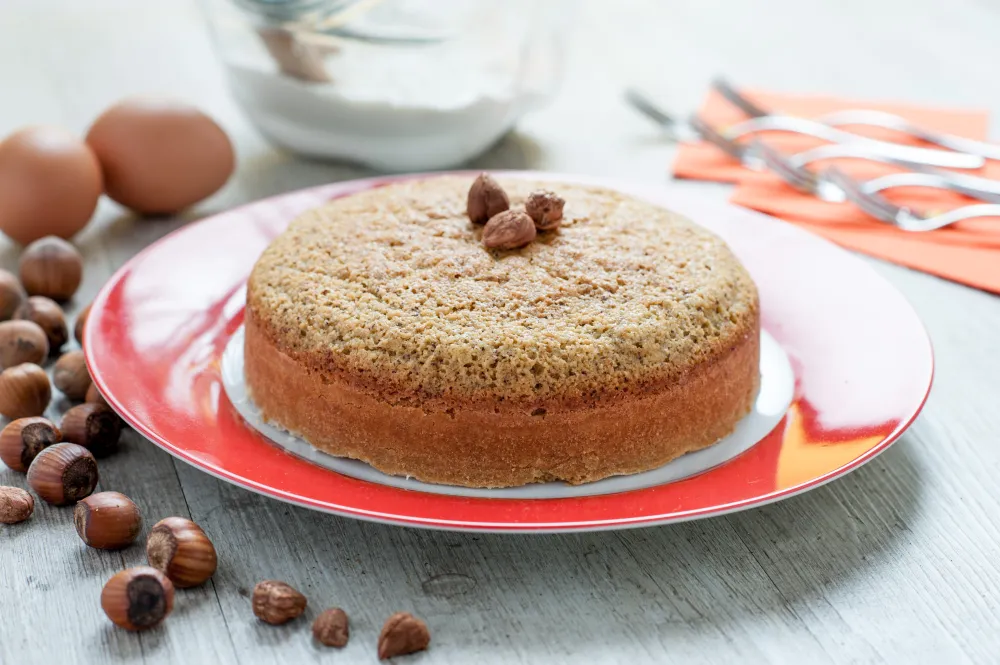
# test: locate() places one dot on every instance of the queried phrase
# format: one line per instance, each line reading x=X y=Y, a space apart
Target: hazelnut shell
x=51 y=267
x=24 y=391
x=180 y=548
x=22 y=342
x=96 y=427
x=49 y=317
x=138 y=598
x=22 y=440
x=107 y=520
x=94 y=396
x=70 y=375
x=63 y=474
x=81 y=323
x=11 y=294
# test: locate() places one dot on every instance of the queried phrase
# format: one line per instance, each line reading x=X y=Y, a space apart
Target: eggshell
x=50 y=182
x=160 y=156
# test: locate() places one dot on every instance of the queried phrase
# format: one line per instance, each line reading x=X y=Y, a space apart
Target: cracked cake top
x=392 y=290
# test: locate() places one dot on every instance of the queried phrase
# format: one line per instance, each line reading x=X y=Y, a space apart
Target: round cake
x=381 y=328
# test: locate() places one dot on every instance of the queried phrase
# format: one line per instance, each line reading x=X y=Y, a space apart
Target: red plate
x=862 y=362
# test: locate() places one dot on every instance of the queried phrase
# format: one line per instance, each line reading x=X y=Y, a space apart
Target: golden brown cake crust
x=379 y=328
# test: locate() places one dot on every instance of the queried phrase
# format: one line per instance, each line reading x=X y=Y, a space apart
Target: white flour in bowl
x=400 y=109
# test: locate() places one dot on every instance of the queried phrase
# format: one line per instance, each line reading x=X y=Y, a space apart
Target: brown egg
x=49 y=184
x=160 y=156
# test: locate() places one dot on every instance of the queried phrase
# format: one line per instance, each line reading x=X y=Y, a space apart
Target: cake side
x=482 y=446
x=390 y=291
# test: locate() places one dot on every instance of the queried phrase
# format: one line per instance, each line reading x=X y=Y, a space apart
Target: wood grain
x=895 y=563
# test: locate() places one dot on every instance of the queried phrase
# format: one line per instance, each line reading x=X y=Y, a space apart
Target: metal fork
x=902 y=217
x=727 y=140
x=696 y=129
x=819 y=185
x=870 y=118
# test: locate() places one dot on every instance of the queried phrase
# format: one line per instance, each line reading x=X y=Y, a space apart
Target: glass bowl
x=398 y=85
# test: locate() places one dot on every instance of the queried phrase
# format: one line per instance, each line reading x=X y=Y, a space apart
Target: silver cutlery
x=727 y=140
x=902 y=217
x=696 y=129
x=870 y=118
x=820 y=186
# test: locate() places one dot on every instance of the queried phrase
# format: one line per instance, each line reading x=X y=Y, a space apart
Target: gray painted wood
x=895 y=563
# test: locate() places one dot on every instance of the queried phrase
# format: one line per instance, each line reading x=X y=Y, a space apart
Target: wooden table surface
x=897 y=562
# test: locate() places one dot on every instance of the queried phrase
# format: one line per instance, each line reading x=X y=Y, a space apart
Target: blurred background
x=63 y=62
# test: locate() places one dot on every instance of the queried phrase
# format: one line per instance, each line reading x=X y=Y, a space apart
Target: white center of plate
x=777 y=386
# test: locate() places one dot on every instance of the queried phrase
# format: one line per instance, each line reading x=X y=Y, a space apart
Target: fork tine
x=873 y=204
x=800 y=178
x=646 y=106
x=731 y=95
x=715 y=137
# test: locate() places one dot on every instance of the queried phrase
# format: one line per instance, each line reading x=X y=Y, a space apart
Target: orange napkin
x=968 y=253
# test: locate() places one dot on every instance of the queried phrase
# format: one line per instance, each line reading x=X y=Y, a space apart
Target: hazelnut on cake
x=379 y=327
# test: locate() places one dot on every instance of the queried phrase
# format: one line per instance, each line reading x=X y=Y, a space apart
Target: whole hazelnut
x=276 y=602
x=107 y=520
x=486 y=199
x=23 y=439
x=96 y=427
x=24 y=391
x=16 y=505
x=94 y=396
x=545 y=209
x=49 y=317
x=81 y=323
x=402 y=633
x=70 y=375
x=51 y=267
x=22 y=342
x=63 y=474
x=331 y=628
x=138 y=598
x=11 y=294
x=180 y=548
x=508 y=230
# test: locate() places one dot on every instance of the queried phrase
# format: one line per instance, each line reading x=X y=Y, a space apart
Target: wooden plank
x=498 y=598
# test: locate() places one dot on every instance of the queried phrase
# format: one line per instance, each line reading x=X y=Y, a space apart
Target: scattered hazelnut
x=180 y=548
x=107 y=520
x=22 y=342
x=402 y=633
x=508 y=230
x=545 y=209
x=331 y=628
x=486 y=199
x=16 y=505
x=11 y=294
x=81 y=322
x=70 y=375
x=277 y=603
x=138 y=598
x=51 y=267
x=23 y=439
x=24 y=391
x=63 y=474
x=96 y=427
x=49 y=317
x=94 y=396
